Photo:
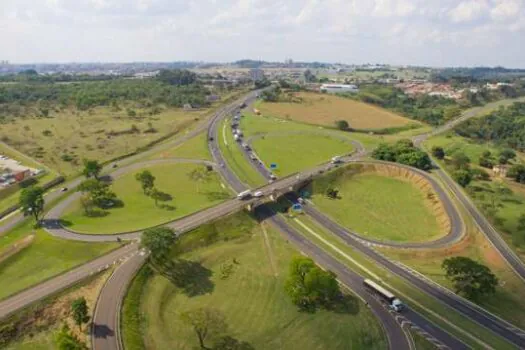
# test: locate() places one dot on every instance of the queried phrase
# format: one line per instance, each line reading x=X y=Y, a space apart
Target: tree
x=485 y=160
x=156 y=195
x=416 y=158
x=79 y=309
x=92 y=168
x=146 y=179
x=200 y=175
x=332 y=193
x=158 y=241
x=342 y=125
x=308 y=286
x=460 y=160
x=517 y=172
x=506 y=155
x=206 y=323
x=32 y=201
x=471 y=279
x=438 y=152
x=97 y=191
x=65 y=340
x=309 y=77
x=462 y=177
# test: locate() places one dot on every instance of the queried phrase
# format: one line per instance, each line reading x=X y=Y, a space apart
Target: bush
x=342 y=125
x=404 y=152
x=462 y=177
x=438 y=152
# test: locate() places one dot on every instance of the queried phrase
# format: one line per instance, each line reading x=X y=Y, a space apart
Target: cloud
x=397 y=31
x=467 y=11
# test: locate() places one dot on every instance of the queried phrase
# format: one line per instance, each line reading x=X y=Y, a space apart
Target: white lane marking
x=337 y=250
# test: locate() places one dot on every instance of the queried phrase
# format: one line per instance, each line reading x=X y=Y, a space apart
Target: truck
x=244 y=195
x=393 y=302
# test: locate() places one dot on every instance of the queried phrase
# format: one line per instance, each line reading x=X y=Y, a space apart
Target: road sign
x=273 y=166
x=297 y=207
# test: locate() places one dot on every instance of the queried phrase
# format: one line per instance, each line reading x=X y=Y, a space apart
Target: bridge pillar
x=249 y=207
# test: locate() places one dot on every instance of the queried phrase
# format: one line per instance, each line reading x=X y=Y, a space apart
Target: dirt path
x=269 y=250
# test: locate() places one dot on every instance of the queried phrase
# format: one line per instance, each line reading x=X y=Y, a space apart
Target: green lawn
x=252 y=298
x=235 y=158
x=195 y=148
x=139 y=211
x=296 y=152
x=46 y=257
x=379 y=207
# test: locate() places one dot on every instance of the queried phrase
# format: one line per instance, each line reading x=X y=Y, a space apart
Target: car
x=211 y=138
x=258 y=194
x=273 y=177
x=63 y=189
x=253 y=157
x=114 y=165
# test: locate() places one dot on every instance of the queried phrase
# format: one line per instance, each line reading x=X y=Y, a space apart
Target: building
x=256 y=74
x=338 y=88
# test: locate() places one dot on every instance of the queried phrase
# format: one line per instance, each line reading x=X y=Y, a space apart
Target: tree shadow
x=230 y=343
x=102 y=331
x=96 y=213
x=164 y=197
x=216 y=195
x=65 y=223
x=344 y=304
x=168 y=207
x=190 y=276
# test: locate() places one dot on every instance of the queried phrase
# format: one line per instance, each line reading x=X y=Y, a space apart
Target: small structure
x=187 y=107
x=338 y=88
x=212 y=98
x=500 y=170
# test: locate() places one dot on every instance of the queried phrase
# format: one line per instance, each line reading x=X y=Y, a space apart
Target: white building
x=337 y=88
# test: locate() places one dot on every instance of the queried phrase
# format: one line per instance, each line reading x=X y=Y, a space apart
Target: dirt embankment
x=16 y=247
x=431 y=198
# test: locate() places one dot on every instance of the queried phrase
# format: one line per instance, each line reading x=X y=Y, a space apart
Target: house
x=338 y=88
x=500 y=170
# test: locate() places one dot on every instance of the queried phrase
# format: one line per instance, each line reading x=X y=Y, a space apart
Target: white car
x=258 y=194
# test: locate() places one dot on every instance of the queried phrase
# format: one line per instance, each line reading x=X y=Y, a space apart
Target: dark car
x=211 y=138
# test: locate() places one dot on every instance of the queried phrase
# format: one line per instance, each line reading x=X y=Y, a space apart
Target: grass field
x=195 y=148
x=101 y=134
x=253 y=125
x=235 y=158
x=139 y=211
x=379 y=206
x=46 y=257
x=296 y=152
x=252 y=298
x=325 y=109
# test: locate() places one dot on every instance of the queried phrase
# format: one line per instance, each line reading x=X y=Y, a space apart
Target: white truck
x=393 y=302
x=244 y=195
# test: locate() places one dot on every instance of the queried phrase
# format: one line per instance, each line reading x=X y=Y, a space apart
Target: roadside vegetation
x=60 y=124
x=195 y=288
x=50 y=323
x=381 y=203
x=178 y=190
x=500 y=196
x=195 y=148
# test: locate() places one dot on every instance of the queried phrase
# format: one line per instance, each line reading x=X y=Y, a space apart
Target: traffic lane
x=105 y=326
x=56 y=284
x=396 y=337
x=477 y=314
x=428 y=326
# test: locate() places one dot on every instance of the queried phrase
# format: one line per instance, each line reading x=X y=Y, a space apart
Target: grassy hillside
x=325 y=109
x=251 y=297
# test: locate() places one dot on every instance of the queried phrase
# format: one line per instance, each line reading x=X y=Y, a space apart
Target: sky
x=402 y=32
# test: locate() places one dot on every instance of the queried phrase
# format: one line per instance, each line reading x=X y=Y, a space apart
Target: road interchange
x=125 y=274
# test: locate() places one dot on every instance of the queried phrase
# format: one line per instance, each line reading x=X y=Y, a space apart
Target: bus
x=393 y=302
